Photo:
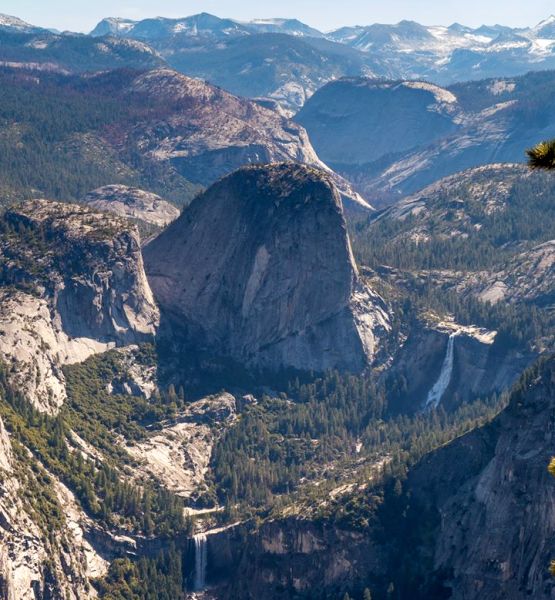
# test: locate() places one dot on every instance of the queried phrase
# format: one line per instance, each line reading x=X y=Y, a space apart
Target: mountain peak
x=545 y=28
x=14 y=23
x=548 y=21
x=113 y=26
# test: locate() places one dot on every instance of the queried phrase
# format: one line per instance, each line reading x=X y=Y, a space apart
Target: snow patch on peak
x=549 y=21
x=268 y=21
x=7 y=21
x=119 y=23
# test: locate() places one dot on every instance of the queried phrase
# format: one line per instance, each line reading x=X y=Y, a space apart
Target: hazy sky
x=79 y=15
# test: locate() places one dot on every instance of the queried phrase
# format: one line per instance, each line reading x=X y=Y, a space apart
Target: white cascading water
x=440 y=386
x=201 y=556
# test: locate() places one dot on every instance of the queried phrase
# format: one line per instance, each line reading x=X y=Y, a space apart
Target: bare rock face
x=73 y=284
x=445 y=364
x=214 y=132
x=133 y=203
x=340 y=115
x=179 y=454
x=259 y=269
x=494 y=499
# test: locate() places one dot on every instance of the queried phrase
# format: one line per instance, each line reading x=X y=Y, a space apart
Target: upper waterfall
x=440 y=386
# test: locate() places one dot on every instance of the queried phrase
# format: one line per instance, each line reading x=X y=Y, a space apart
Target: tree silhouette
x=542 y=156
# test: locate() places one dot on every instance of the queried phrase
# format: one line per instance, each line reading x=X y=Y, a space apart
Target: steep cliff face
x=355 y=120
x=494 y=499
x=259 y=269
x=291 y=558
x=73 y=284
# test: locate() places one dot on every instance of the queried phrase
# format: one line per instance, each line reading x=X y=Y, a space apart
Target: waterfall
x=444 y=379
x=201 y=556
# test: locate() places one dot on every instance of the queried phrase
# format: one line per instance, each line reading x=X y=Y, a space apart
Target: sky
x=79 y=15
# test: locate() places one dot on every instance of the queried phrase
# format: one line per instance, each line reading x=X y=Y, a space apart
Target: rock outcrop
x=289 y=558
x=259 y=269
x=356 y=121
x=134 y=203
x=179 y=454
x=73 y=284
x=445 y=363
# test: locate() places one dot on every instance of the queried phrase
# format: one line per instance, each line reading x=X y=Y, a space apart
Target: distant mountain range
x=200 y=25
x=26 y=46
x=406 y=50
x=288 y=60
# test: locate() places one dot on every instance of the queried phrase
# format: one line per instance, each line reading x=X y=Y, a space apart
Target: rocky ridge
x=529 y=277
x=155 y=130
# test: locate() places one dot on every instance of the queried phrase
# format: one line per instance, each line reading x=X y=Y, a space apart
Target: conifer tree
x=542 y=156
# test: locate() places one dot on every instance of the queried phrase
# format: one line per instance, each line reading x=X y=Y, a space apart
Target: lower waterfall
x=440 y=386
x=201 y=556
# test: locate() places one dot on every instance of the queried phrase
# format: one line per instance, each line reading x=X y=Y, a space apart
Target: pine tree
x=367 y=595
x=542 y=156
